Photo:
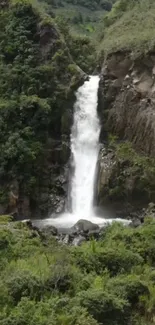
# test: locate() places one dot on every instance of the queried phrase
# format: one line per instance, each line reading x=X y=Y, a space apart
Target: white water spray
x=85 y=149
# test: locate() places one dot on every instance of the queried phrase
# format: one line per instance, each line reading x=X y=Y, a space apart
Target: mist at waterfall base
x=84 y=155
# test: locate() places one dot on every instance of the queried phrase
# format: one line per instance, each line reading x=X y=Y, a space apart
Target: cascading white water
x=85 y=148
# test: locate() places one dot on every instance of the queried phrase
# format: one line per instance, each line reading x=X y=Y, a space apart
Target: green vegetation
x=129 y=26
x=106 y=282
x=90 y=4
x=82 y=48
x=115 y=25
x=83 y=16
x=133 y=176
x=139 y=166
x=42 y=282
x=36 y=83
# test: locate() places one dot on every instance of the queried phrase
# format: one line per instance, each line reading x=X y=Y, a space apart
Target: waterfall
x=85 y=148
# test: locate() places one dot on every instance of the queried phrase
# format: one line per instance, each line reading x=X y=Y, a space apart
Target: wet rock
x=48 y=231
x=84 y=226
x=151 y=207
x=28 y=223
x=57 y=203
x=78 y=240
x=66 y=240
x=35 y=232
x=135 y=223
x=137 y=218
x=149 y=211
x=59 y=152
x=106 y=167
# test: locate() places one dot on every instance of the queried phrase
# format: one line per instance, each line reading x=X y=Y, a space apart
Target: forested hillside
x=129 y=26
x=37 y=78
x=90 y=4
x=83 y=16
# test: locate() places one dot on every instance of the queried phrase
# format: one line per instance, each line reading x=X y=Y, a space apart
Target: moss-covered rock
x=126 y=178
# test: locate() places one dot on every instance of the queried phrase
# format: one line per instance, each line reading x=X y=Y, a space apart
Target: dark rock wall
x=127 y=111
x=127 y=100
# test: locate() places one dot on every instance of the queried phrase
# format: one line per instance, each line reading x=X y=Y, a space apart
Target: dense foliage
x=106 y=282
x=129 y=26
x=82 y=48
x=83 y=15
x=36 y=76
x=93 y=4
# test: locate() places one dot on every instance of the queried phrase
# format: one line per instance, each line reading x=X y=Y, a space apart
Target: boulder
x=84 y=226
x=48 y=231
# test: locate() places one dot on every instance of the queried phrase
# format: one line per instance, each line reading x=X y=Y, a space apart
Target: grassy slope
x=131 y=29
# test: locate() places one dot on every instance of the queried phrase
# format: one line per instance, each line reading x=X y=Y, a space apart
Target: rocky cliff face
x=127 y=99
x=126 y=108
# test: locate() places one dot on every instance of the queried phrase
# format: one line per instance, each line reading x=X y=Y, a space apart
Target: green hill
x=82 y=15
x=129 y=26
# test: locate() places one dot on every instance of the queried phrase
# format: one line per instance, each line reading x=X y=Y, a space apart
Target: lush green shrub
x=129 y=287
x=105 y=307
x=47 y=283
x=116 y=261
x=34 y=89
x=24 y=284
x=133 y=168
x=81 y=47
